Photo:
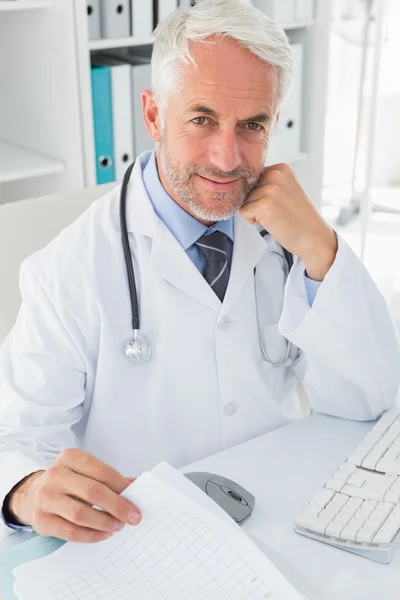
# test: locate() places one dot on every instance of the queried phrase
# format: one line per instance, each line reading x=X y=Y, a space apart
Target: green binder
x=30 y=550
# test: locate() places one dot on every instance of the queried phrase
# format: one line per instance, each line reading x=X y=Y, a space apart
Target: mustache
x=237 y=173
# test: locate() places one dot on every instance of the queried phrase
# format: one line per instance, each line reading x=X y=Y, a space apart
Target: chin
x=211 y=212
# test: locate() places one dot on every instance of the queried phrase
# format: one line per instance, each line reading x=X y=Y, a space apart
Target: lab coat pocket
x=275 y=346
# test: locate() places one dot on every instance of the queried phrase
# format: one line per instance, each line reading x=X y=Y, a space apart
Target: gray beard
x=181 y=182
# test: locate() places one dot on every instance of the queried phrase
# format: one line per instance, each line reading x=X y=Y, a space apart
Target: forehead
x=228 y=75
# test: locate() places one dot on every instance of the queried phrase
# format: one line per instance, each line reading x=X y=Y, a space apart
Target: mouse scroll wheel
x=235 y=496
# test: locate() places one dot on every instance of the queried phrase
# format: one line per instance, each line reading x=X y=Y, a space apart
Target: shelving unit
x=18 y=163
x=46 y=101
x=9 y=5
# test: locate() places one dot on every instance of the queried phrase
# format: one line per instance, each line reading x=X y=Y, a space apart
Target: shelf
x=128 y=42
x=104 y=44
x=299 y=24
x=8 y=5
x=18 y=163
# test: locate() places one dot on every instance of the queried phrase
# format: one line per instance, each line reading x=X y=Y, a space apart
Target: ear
x=151 y=115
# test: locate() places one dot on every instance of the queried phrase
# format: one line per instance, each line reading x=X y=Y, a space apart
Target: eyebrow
x=262 y=117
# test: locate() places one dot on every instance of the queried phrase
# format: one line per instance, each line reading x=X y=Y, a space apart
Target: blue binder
x=35 y=548
x=102 y=120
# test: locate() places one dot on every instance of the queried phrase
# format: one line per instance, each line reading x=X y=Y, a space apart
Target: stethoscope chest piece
x=139 y=348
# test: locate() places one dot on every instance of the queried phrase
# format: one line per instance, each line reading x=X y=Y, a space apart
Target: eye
x=255 y=126
x=200 y=120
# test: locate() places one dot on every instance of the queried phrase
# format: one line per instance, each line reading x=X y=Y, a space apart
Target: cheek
x=186 y=148
x=254 y=155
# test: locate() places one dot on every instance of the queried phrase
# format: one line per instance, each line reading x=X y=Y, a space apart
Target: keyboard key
x=372 y=459
x=335 y=483
x=386 y=420
x=335 y=528
x=347 y=469
x=357 y=456
x=322 y=498
x=388 y=465
x=357 y=480
x=365 y=534
x=316 y=524
x=314 y=510
x=349 y=533
x=392 y=496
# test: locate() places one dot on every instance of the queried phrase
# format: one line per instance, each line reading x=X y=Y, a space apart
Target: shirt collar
x=181 y=224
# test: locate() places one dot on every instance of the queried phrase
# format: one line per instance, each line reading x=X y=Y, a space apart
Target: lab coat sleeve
x=351 y=353
x=42 y=388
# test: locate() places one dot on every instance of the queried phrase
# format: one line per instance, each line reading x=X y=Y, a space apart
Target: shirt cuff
x=312 y=288
x=19 y=466
x=15 y=527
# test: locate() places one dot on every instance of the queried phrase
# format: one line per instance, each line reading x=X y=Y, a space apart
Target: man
x=77 y=417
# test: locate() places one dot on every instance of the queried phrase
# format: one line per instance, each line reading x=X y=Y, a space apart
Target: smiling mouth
x=224 y=181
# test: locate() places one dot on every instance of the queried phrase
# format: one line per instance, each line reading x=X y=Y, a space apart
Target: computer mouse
x=230 y=496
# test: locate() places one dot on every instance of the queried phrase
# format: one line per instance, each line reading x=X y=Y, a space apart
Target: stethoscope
x=139 y=348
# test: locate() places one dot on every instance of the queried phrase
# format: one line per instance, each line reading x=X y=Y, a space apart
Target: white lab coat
x=65 y=379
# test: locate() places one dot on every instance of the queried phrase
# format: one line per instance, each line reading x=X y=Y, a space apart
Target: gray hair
x=238 y=20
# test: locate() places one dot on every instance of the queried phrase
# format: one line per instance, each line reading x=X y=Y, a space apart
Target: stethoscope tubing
x=137 y=339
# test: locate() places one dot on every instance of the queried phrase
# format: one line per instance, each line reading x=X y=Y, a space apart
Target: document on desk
x=179 y=551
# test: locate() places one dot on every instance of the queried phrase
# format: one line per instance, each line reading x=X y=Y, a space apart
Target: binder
x=142 y=18
x=141 y=80
x=122 y=112
x=115 y=18
x=304 y=10
x=102 y=122
x=285 y=145
x=93 y=13
x=278 y=10
x=30 y=550
x=165 y=8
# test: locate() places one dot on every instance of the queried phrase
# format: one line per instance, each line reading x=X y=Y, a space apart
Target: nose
x=224 y=152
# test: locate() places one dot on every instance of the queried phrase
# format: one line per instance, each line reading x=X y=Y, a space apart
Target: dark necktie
x=214 y=249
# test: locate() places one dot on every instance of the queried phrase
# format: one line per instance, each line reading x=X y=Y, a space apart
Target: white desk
x=301 y=457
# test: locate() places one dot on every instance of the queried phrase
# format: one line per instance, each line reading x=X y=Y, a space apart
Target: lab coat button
x=224 y=324
x=230 y=409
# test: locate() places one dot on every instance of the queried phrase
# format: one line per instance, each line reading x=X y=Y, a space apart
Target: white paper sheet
x=180 y=551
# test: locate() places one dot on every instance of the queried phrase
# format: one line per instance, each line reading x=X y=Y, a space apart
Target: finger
x=282 y=167
x=53 y=525
x=88 y=465
x=96 y=493
x=254 y=211
x=83 y=514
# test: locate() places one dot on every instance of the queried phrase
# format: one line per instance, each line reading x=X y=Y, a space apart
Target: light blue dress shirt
x=186 y=229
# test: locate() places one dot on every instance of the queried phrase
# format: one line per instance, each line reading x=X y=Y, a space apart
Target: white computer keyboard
x=358 y=509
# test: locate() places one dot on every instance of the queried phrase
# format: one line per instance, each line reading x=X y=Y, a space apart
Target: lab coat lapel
x=170 y=261
x=248 y=248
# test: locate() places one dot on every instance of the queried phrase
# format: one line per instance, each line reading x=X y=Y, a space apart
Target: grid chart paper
x=181 y=550
x=171 y=555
